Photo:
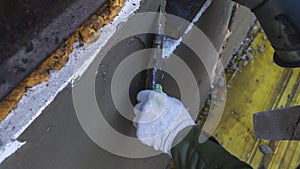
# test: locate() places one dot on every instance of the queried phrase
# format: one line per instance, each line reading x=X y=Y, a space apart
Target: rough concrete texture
x=56 y=139
x=87 y=32
x=32 y=30
x=22 y=20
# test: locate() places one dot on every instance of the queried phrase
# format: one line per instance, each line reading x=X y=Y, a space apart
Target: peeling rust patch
x=88 y=32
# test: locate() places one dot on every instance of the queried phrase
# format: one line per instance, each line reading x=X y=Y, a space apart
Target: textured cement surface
x=56 y=140
x=32 y=30
x=22 y=20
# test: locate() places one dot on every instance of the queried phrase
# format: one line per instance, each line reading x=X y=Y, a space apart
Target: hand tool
x=280 y=124
x=158 y=43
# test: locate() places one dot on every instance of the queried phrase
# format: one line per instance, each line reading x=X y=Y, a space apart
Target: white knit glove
x=159 y=118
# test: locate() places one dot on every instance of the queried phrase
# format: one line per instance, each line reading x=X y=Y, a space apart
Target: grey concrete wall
x=241 y=23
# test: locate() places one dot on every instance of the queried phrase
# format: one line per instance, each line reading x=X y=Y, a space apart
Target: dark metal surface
x=281 y=124
x=32 y=30
x=281 y=22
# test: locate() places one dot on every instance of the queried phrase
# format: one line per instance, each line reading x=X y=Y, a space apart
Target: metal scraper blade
x=281 y=124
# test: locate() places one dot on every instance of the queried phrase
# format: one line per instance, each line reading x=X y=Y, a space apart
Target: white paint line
x=170 y=44
x=9 y=149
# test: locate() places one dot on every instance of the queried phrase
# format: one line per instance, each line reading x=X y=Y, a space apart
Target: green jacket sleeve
x=190 y=154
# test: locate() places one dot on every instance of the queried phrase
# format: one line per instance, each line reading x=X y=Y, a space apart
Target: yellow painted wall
x=259 y=86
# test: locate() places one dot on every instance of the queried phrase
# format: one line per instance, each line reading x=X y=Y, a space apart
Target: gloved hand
x=159 y=118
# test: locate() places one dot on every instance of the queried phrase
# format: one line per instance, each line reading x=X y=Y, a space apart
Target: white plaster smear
x=40 y=96
x=170 y=44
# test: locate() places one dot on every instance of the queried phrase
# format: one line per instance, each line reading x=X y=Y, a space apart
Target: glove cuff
x=182 y=123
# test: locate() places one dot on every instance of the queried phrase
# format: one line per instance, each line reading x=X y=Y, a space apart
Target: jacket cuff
x=182 y=125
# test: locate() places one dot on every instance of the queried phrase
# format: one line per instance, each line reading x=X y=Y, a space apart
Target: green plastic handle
x=158 y=87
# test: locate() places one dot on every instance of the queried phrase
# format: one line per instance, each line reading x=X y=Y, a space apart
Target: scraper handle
x=158 y=87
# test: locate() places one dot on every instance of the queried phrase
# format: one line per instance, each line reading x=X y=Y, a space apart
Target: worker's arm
x=163 y=121
x=190 y=154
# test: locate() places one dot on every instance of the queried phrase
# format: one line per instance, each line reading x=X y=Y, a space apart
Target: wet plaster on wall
x=57 y=140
